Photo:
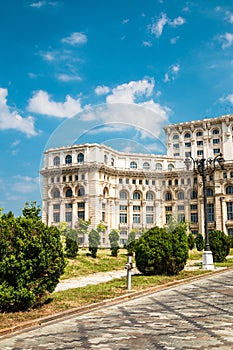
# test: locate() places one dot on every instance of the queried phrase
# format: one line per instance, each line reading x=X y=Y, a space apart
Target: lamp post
x=203 y=167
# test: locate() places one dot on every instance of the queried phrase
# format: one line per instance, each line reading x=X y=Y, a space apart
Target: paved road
x=197 y=315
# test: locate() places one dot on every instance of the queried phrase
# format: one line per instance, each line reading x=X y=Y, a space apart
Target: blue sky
x=112 y=65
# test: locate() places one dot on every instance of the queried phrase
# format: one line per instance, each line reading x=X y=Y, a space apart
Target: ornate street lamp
x=203 y=167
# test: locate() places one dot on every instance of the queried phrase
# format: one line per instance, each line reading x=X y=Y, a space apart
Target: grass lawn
x=83 y=265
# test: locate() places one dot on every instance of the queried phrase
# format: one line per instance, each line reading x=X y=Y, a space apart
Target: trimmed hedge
x=162 y=252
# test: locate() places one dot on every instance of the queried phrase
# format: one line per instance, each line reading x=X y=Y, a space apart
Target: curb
x=32 y=324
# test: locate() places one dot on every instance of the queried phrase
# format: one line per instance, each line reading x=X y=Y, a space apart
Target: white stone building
x=128 y=191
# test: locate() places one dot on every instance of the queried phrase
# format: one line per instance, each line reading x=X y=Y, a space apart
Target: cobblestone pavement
x=196 y=315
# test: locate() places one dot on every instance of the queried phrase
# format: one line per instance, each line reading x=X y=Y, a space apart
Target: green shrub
x=199 y=242
x=191 y=241
x=94 y=241
x=31 y=260
x=161 y=251
x=114 y=242
x=231 y=241
x=219 y=245
x=71 y=243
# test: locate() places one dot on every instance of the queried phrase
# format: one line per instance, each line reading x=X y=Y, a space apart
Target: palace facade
x=128 y=191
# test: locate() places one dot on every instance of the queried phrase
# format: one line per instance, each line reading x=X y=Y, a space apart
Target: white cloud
x=41 y=103
x=125 y=21
x=172 y=73
x=66 y=77
x=25 y=184
x=75 y=38
x=228 y=98
x=156 y=28
x=40 y=4
x=48 y=56
x=128 y=92
x=102 y=90
x=226 y=40
x=10 y=119
x=147 y=43
x=174 y=40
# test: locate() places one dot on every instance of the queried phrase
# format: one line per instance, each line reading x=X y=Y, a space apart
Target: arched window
x=56 y=160
x=215 y=131
x=187 y=135
x=56 y=193
x=68 y=159
x=193 y=195
x=170 y=166
x=199 y=134
x=81 y=192
x=123 y=195
x=133 y=165
x=149 y=196
x=146 y=165
x=158 y=166
x=209 y=192
x=180 y=195
x=105 y=159
x=80 y=158
x=229 y=190
x=69 y=192
x=175 y=137
x=105 y=192
x=136 y=195
x=168 y=196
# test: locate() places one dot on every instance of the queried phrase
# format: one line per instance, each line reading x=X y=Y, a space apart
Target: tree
x=199 y=241
x=82 y=227
x=219 y=245
x=71 y=243
x=191 y=241
x=131 y=241
x=94 y=241
x=114 y=242
x=31 y=260
x=162 y=251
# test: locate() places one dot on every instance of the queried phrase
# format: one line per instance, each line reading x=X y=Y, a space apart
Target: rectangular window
x=176 y=145
x=199 y=143
x=181 y=217
x=187 y=144
x=176 y=154
x=103 y=215
x=120 y=181
x=123 y=218
x=168 y=217
x=127 y=181
x=136 y=218
x=216 y=150
x=194 y=218
x=146 y=182
x=68 y=205
x=64 y=178
x=76 y=177
x=68 y=216
x=163 y=183
x=140 y=182
x=153 y=182
x=200 y=152
x=180 y=207
x=134 y=181
x=56 y=206
x=70 y=178
x=216 y=141
x=81 y=215
x=58 y=179
x=149 y=218
x=188 y=154
x=182 y=181
x=193 y=207
x=83 y=177
x=230 y=231
x=52 y=180
x=149 y=208
x=168 y=208
x=123 y=207
x=229 y=210
x=210 y=212
x=81 y=205
x=136 y=207
x=56 y=217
